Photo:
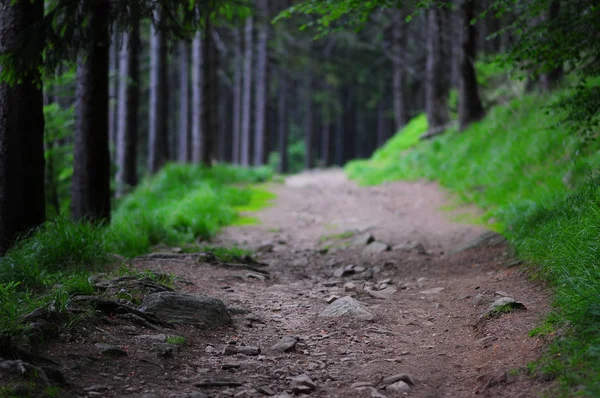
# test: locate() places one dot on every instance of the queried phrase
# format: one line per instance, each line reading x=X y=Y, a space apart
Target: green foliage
x=176 y=340
x=542 y=191
x=180 y=204
x=56 y=249
x=296 y=152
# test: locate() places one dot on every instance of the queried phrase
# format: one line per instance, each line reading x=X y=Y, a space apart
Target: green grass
x=538 y=186
x=176 y=340
x=183 y=203
x=178 y=206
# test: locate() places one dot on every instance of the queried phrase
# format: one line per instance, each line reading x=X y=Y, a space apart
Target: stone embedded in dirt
x=332 y=298
x=377 y=247
x=231 y=349
x=503 y=305
x=347 y=306
x=385 y=294
x=287 y=343
x=360 y=268
x=237 y=310
x=155 y=337
x=363 y=239
x=329 y=283
x=480 y=299
x=350 y=287
x=501 y=293
x=110 y=350
x=97 y=388
x=302 y=384
x=405 y=377
x=343 y=271
x=398 y=389
x=130 y=284
x=265 y=390
x=267 y=247
x=230 y=366
x=487 y=239
x=361 y=384
x=411 y=246
x=187 y=309
x=196 y=394
x=210 y=349
x=435 y=290
x=253 y=275
x=164 y=350
x=10 y=370
x=284 y=395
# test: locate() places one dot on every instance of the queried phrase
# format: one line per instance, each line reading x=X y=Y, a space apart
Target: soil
x=429 y=328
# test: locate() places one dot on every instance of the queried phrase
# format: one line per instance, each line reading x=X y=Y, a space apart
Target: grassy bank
x=181 y=206
x=538 y=187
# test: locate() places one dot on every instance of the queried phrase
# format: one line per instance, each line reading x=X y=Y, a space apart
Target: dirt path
x=426 y=322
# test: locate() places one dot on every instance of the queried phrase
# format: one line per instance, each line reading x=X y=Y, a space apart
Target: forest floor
x=426 y=306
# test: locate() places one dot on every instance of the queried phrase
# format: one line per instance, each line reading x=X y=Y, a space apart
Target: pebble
x=302 y=384
x=287 y=343
x=110 y=350
x=397 y=389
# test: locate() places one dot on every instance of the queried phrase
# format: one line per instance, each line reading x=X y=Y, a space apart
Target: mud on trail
x=423 y=303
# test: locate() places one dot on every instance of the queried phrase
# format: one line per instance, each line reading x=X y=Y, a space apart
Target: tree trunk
x=113 y=87
x=197 y=98
x=237 y=96
x=91 y=167
x=21 y=131
x=339 y=133
x=247 y=95
x=211 y=95
x=399 y=69
x=436 y=88
x=308 y=120
x=381 y=126
x=283 y=123
x=261 y=86
x=129 y=104
x=184 y=102
x=158 y=129
x=326 y=133
x=349 y=131
x=551 y=79
x=469 y=104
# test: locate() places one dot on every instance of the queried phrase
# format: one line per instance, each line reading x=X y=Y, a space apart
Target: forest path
x=426 y=321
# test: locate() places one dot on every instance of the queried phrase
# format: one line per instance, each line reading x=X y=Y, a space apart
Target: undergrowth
x=179 y=206
x=537 y=184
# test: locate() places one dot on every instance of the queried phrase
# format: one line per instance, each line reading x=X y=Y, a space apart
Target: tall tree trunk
x=113 y=87
x=224 y=127
x=237 y=96
x=326 y=133
x=247 y=95
x=21 y=130
x=550 y=79
x=283 y=123
x=197 y=98
x=128 y=115
x=184 y=102
x=399 y=69
x=350 y=118
x=211 y=95
x=261 y=85
x=339 y=133
x=469 y=104
x=309 y=155
x=436 y=88
x=158 y=131
x=91 y=167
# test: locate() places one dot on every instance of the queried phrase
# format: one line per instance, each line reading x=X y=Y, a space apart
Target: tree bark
x=211 y=95
x=247 y=95
x=261 y=85
x=436 y=88
x=283 y=123
x=553 y=77
x=158 y=129
x=21 y=131
x=399 y=69
x=113 y=87
x=184 y=102
x=309 y=156
x=197 y=98
x=326 y=132
x=128 y=111
x=91 y=167
x=470 y=108
x=237 y=96
x=381 y=125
